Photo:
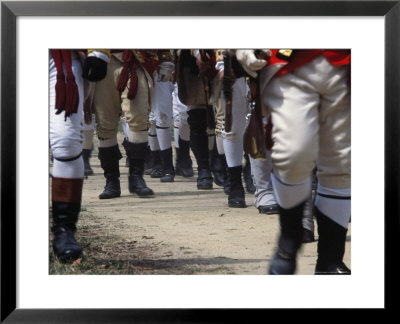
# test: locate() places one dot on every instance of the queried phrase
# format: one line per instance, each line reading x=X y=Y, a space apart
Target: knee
x=66 y=149
x=295 y=165
x=163 y=120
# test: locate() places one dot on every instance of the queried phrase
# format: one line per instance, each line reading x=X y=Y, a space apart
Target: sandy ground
x=183 y=230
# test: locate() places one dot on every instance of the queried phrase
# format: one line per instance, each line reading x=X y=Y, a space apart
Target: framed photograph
x=30 y=28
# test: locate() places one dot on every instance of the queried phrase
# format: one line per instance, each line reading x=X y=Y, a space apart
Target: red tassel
x=133 y=86
x=124 y=76
x=60 y=92
x=72 y=93
x=60 y=84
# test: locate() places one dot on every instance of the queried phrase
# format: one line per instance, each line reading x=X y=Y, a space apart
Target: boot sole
x=69 y=258
x=167 y=179
x=109 y=197
x=142 y=196
x=237 y=205
x=204 y=187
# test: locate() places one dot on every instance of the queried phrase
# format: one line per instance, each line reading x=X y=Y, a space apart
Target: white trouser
x=261 y=172
x=88 y=133
x=180 y=117
x=311 y=119
x=162 y=102
x=65 y=135
x=233 y=141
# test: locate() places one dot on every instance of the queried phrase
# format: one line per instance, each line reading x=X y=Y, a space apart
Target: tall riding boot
x=218 y=166
x=109 y=160
x=168 y=166
x=66 y=205
x=248 y=180
x=148 y=161
x=331 y=246
x=284 y=261
x=236 y=197
x=136 y=170
x=199 y=144
x=184 y=164
x=86 y=153
x=156 y=171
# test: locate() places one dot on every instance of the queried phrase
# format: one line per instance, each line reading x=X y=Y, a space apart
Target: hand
x=94 y=69
x=165 y=71
x=249 y=61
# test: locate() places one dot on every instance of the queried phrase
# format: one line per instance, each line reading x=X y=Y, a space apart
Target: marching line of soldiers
x=286 y=113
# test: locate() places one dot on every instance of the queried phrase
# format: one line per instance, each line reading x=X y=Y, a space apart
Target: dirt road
x=181 y=230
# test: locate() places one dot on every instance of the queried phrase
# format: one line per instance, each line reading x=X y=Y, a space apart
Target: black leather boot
x=86 y=153
x=199 y=144
x=157 y=170
x=227 y=185
x=109 y=160
x=204 y=179
x=168 y=166
x=331 y=246
x=65 y=216
x=218 y=166
x=184 y=164
x=136 y=170
x=148 y=161
x=284 y=261
x=248 y=180
x=236 y=197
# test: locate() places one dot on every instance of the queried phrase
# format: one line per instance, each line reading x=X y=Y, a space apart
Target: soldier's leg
x=199 y=144
x=217 y=158
x=108 y=111
x=68 y=170
x=333 y=199
x=137 y=112
x=264 y=198
x=153 y=166
x=183 y=164
x=233 y=143
x=162 y=106
x=295 y=133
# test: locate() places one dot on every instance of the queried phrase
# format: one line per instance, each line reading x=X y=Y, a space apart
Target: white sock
x=87 y=139
x=68 y=169
x=153 y=143
x=289 y=195
x=164 y=138
x=220 y=144
x=335 y=204
x=233 y=152
x=138 y=137
x=108 y=142
x=176 y=137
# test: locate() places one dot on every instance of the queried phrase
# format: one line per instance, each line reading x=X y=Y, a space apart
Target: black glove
x=94 y=69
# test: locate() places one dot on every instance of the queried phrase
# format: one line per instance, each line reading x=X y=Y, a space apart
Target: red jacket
x=302 y=57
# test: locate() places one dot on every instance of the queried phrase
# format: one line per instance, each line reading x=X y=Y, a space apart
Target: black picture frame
x=10 y=10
